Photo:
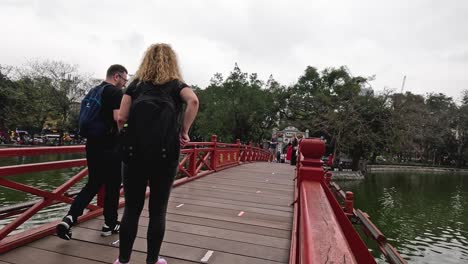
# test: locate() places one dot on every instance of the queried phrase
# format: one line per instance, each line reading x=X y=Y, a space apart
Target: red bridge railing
x=197 y=160
x=323 y=230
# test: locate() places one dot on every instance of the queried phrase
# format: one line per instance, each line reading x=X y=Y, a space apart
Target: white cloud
x=424 y=40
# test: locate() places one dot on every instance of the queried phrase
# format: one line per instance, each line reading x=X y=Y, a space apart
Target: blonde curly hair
x=159 y=65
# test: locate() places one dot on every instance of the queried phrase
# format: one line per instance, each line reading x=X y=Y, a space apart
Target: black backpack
x=91 y=121
x=152 y=130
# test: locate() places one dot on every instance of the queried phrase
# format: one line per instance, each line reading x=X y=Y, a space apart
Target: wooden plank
x=191 y=236
x=188 y=253
x=252 y=249
x=206 y=222
x=246 y=189
x=99 y=252
x=247 y=176
x=234 y=218
x=26 y=255
x=234 y=235
x=188 y=196
x=236 y=197
x=249 y=214
x=263 y=167
x=237 y=259
x=253 y=229
x=246 y=171
x=273 y=181
x=256 y=239
x=239 y=191
x=261 y=183
x=177 y=201
x=185 y=252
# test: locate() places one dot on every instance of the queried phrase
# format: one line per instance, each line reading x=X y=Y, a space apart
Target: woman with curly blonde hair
x=149 y=116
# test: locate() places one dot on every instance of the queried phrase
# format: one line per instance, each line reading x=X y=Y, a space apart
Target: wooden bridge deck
x=239 y=215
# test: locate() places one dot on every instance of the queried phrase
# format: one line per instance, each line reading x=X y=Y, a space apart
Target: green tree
x=439 y=127
x=410 y=114
x=343 y=107
x=68 y=87
x=461 y=136
x=7 y=95
x=237 y=107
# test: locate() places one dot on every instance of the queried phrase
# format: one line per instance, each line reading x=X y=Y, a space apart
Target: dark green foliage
x=406 y=127
x=235 y=108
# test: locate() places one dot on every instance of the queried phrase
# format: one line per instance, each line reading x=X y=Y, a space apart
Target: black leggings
x=136 y=177
x=103 y=169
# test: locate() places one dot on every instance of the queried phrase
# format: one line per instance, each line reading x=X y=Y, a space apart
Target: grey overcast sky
x=425 y=40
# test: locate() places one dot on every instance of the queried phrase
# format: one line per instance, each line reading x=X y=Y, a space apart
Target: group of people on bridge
x=287 y=154
x=158 y=77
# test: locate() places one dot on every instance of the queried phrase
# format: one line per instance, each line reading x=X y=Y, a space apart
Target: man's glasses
x=126 y=80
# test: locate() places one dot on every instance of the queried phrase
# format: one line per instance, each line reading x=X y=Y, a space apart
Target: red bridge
x=230 y=206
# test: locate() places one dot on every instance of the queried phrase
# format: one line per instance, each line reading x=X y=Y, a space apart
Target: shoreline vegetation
x=387 y=168
x=380 y=168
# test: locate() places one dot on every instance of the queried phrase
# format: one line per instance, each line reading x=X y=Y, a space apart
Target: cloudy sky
x=425 y=40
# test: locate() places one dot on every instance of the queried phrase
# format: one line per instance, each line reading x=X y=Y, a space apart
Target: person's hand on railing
x=183 y=139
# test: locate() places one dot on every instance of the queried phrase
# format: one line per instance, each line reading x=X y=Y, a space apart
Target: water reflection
x=47 y=180
x=421 y=214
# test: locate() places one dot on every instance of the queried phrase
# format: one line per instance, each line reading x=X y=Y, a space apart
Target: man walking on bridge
x=104 y=164
x=273 y=145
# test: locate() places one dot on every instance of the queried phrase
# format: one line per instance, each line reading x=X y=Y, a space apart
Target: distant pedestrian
x=273 y=145
x=294 y=144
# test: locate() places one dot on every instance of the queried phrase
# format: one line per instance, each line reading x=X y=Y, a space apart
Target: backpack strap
x=101 y=87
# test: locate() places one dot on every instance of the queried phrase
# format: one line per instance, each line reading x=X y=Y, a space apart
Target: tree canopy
x=430 y=129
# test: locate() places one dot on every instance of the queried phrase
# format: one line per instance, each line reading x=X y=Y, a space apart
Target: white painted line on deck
x=259 y=191
x=241 y=213
x=180 y=205
x=207 y=256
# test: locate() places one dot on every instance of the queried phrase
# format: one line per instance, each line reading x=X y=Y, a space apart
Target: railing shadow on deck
x=197 y=159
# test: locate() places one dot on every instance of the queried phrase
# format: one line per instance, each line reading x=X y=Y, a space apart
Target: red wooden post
x=349 y=203
x=249 y=155
x=254 y=152
x=214 y=158
x=239 y=152
x=310 y=168
x=328 y=175
x=192 y=169
x=257 y=152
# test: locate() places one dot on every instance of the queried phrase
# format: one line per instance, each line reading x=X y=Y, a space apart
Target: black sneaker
x=109 y=230
x=64 y=228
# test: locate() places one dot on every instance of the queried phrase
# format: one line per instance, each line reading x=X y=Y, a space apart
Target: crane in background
x=403 y=84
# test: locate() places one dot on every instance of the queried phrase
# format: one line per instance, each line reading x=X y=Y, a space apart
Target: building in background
x=286 y=135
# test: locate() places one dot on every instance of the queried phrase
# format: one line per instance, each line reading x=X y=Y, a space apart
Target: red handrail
x=197 y=160
x=307 y=235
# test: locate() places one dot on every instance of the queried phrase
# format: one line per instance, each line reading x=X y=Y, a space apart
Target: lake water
x=46 y=180
x=423 y=215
